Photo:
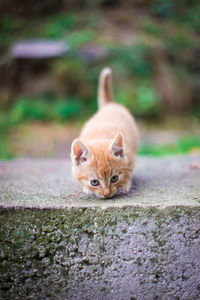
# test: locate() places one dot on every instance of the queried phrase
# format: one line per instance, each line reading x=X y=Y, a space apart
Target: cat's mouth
x=117 y=193
x=105 y=197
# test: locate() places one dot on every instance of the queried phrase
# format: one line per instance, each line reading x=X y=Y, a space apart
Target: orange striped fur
x=106 y=147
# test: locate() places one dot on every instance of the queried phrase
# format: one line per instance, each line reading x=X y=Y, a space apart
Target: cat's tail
x=105 y=93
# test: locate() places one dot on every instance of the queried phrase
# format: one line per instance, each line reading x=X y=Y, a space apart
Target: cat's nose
x=106 y=193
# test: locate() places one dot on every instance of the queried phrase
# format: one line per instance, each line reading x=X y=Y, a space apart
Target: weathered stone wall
x=57 y=244
x=126 y=253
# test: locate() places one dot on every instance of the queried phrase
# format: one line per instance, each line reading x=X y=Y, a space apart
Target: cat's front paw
x=85 y=190
x=125 y=189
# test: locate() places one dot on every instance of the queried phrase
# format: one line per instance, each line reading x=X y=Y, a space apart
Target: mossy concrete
x=145 y=245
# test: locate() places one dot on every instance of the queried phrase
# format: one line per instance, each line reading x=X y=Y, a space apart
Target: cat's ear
x=117 y=146
x=79 y=152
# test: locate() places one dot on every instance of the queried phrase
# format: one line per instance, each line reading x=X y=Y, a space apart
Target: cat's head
x=102 y=168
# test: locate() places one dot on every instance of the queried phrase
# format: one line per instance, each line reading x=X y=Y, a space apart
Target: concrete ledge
x=48 y=183
x=145 y=245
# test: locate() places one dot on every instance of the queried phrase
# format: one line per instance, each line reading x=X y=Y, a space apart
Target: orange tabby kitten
x=103 y=156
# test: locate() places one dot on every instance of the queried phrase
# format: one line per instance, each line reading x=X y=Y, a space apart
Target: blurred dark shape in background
x=153 y=48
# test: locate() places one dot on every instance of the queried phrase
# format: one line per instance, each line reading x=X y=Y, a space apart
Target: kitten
x=104 y=154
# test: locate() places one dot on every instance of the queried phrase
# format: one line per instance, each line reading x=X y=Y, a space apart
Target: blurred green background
x=153 y=48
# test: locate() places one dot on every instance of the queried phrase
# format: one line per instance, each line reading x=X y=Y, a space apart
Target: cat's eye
x=114 y=179
x=94 y=182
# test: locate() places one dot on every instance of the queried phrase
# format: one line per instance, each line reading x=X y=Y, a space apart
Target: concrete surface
x=58 y=244
x=48 y=183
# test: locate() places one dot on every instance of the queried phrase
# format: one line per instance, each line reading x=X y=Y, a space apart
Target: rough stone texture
x=145 y=245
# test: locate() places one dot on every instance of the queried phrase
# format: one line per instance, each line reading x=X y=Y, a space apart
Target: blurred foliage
x=6 y=125
x=68 y=27
x=188 y=144
x=151 y=28
x=196 y=109
x=77 y=77
x=190 y=18
x=178 y=42
x=147 y=103
x=57 y=26
x=72 y=77
x=164 y=9
x=78 y=38
x=140 y=98
x=165 y=33
x=184 y=11
x=35 y=110
x=43 y=110
x=8 y=26
x=132 y=60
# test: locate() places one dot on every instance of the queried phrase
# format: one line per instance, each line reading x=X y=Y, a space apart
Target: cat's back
x=110 y=120
x=112 y=114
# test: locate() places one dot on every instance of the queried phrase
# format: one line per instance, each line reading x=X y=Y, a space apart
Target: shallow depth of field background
x=153 y=48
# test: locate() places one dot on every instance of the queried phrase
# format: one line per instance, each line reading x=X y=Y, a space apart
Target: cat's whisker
x=87 y=196
x=72 y=195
